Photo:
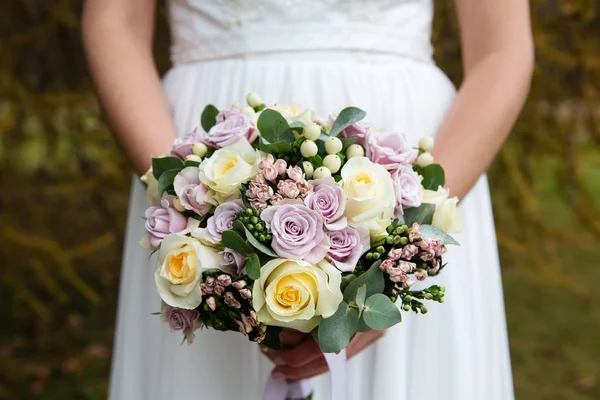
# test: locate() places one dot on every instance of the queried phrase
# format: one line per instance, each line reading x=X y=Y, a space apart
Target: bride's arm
x=117 y=36
x=498 y=55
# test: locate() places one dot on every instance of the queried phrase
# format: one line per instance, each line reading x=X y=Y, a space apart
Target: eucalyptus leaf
x=431 y=232
x=316 y=161
x=274 y=148
x=253 y=267
x=347 y=117
x=273 y=127
x=297 y=126
x=166 y=180
x=422 y=215
x=361 y=294
x=231 y=239
x=380 y=313
x=336 y=331
x=238 y=226
x=433 y=176
x=362 y=327
x=258 y=245
x=162 y=164
x=190 y=163
x=347 y=142
x=372 y=279
x=346 y=281
x=208 y=119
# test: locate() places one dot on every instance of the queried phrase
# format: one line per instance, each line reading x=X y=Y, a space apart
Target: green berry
x=376 y=255
x=423 y=309
x=441 y=299
x=442 y=289
x=249 y=210
x=245 y=219
x=369 y=256
x=398 y=231
x=406 y=307
x=380 y=249
x=269 y=237
x=390 y=229
x=250 y=227
x=259 y=226
x=256 y=234
x=254 y=220
x=389 y=240
x=403 y=240
x=428 y=296
x=397 y=239
x=262 y=238
x=408 y=298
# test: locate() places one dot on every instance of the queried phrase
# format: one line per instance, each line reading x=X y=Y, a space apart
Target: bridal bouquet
x=270 y=218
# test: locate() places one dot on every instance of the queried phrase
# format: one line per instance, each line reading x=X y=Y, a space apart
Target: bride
x=373 y=54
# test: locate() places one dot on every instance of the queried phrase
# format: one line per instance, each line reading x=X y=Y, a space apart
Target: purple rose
x=390 y=150
x=360 y=130
x=329 y=200
x=297 y=231
x=183 y=145
x=347 y=246
x=192 y=194
x=407 y=186
x=230 y=131
x=222 y=219
x=234 y=259
x=179 y=319
x=163 y=221
x=224 y=114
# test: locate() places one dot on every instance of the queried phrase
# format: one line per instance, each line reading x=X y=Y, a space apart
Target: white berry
x=254 y=100
x=312 y=131
x=177 y=204
x=333 y=145
x=308 y=169
x=193 y=157
x=321 y=172
x=199 y=149
x=308 y=149
x=333 y=162
x=425 y=159
x=426 y=143
x=355 y=150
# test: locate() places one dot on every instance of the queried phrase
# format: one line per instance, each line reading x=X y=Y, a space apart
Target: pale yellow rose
x=296 y=294
x=369 y=191
x=294 y=112
x=227 y=169
x=181 y=261
x=446 y=216
x=152 y=197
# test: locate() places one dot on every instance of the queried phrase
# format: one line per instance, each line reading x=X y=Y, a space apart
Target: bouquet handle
x=279 y=389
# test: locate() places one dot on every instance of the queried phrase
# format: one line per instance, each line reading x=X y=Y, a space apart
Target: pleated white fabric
x=458 y=351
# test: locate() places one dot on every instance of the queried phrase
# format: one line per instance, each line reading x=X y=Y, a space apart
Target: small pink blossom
x=270 y=172
x=259 y=192
x=280 y=165
x=295 y=173
x=421 y=274
x=387 y=265
x=239 y=284
x=268 y=160
x=246 y=294
x=414 y=232
x=231 y=301
x=210 y=302
x=276 y=198
x=395 y=254
x=288 y=188
x=258 y=205
x=409 y=251
x=406 y=267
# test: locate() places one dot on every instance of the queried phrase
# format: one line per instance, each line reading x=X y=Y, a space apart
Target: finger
x=301 y=354
x=292 y=337
x=307 y=371
x=362 y=341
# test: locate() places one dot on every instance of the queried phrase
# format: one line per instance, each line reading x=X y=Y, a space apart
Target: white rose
x=228 y=168
x=370 y=192
x=294 y=112
x=446 y=216
x=296 y=294
x=151 y=183
x=181 y=261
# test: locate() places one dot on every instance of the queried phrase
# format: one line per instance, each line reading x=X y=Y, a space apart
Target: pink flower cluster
x=275 y=182
x=400 y=263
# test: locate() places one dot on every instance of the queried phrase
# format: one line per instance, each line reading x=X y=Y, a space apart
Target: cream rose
x=228 y=168
x=370 y=193
x=181 y=261
x=446 y=216
x=294 y=112
x=296 y=294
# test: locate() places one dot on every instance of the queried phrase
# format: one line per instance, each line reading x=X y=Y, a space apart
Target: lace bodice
x=211 y=29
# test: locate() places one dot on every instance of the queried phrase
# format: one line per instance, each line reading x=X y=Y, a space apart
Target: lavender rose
x=234 y=259
x=163 y=221
x=407 y=187
x=222 y=219
x=180 y=319
x=390 y=150
x=183 y=145
x=229 y=112
x=347 y=246
x=229 y=131
x=192 y=194
x=329 y=200
x=297 y=231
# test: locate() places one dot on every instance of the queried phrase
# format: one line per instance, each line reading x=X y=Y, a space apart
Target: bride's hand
x=305 y=359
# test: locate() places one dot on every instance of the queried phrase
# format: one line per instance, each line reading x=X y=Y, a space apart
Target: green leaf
x=160 y=165
x=274 y=148
x=336 y=331
x=316 y=161
x=421 y=215
x=235 y=242
x=433 y=176
x=273 y=127
x=258 y=245
x=346 y=281
x=361 y=294
x=347 y=117
x=373 y=279
x=297 y=126
x=347 y=142
x=238 y=226
x=431 y=232
x=166 y=180
x=189 y=163
x=208 y=119
x=380 y=313
x=362 y=327
x=253 y=267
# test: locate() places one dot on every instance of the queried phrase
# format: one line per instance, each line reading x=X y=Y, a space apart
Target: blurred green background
x=64 y=190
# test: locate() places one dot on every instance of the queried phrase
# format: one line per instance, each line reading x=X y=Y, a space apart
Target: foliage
x=64 y=200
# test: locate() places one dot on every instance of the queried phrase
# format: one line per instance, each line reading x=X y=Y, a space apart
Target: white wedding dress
x=325 y=54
